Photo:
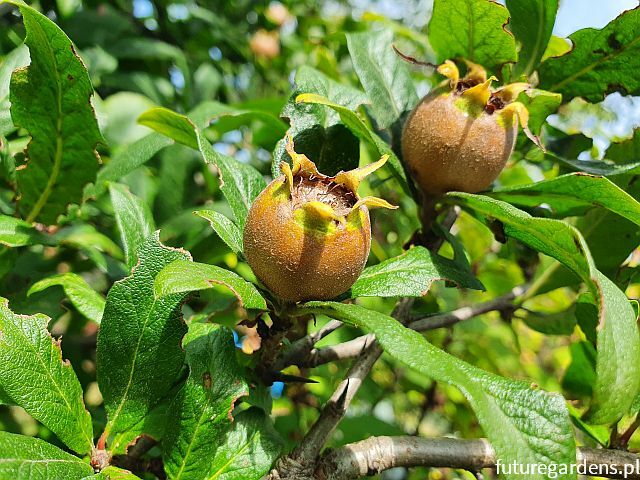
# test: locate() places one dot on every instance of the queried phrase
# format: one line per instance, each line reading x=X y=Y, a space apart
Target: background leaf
x=240 y=183
x=532 y=23
x=88 y=302
x=228 y=232
x=18 y=233
x=184 y=276
x=522 y=423
x=36 y=378
x=384 y=76
x=50 y=98
x=362 y=131
x=134 y=220
x=601 y=61
x=411 y=274
x=139 y=353
x=473 y=30
x=35 y=458
x=202 y=412
x=17 y=58
x=126 y=160
x=317 y=131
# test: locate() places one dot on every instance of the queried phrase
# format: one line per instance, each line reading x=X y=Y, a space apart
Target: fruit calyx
x=475 y=96
x=332 y=199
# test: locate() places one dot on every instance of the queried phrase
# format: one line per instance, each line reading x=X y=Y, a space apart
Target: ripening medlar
x=307 y=235
x=461 y=135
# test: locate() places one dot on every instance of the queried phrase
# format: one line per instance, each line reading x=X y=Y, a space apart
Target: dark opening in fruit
x=307 y=235
x=461 y=134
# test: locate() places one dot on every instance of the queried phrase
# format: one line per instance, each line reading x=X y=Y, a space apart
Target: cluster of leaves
x=69 y=221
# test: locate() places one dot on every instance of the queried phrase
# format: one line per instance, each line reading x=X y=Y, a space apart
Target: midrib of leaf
x=53 y=381
x=107 y=430
x=57 y=161
x=386 y=87
x=22 y=460
x=541 y=10
x=471 y=44
x=188 y=452
x=234 y=456
x=590 y=67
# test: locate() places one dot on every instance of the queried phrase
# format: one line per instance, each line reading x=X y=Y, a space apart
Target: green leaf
x=31 y=458
x=126 y=160
x=34 y=376
x=50 y=98
x=570 y=195
x=88 y=302
x=202 y=412
x=185 y=276
x=384 y=76
x=240 y=183
x=532 y=23
x=5 y=399
x=17 y=58
x=134 y=220
x=317 y=131
x=139 y=354
x=524 y=424
x=556 y=323
x=595 y=167
x=141 y=151
x=152 y=425
x=225 y=228
x=618 y=336
x=540 y=105
x=601 y=61
x=362 y=131
x=89 y=241
x=473 y=30
x=557 y=46
x=411 y=274
x=249 y=450
x=171 y=125
x=18 y=233
x=113 y=473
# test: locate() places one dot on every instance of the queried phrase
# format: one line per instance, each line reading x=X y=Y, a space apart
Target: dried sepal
x=473 y=100
x=507 y=116
x=353 y=178
x=301 y=163
x=510 y=92
x=373 y=202
x=475 y=73
x=321 y=212
x=450 y=70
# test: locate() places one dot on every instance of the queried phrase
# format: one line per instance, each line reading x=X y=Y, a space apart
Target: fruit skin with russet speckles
x=448 y=150
x=461 y=135
x=307 y=236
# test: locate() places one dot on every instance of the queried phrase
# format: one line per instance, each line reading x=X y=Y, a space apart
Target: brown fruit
x=460 y=137
x=265 y=44
x=307 y=236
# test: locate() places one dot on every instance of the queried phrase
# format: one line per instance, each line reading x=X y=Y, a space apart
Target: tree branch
x=376 y=454
x=300 y=463
x=301 y=348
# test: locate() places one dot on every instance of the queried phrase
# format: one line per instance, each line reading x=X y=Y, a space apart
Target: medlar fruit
x=461 y=135
x=307 y=235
